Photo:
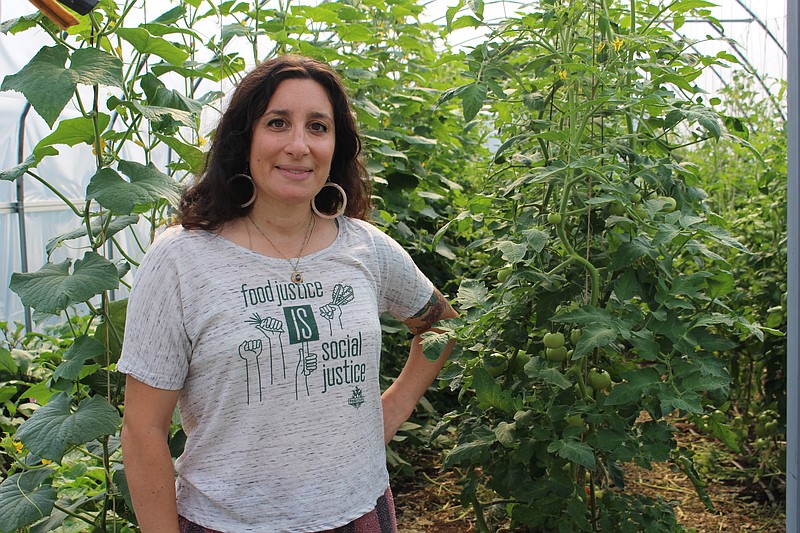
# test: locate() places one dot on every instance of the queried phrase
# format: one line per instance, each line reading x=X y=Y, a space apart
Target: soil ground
x=428 y=502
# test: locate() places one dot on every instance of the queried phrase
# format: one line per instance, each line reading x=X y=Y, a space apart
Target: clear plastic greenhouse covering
x=756 y=30
x=45 y=215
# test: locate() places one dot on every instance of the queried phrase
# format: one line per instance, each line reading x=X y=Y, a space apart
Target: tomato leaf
x=468 y=452
x=476 y=444
x=688 y=401
x=434 y=343
x=472 y=293
x=575 y=451
x=553 y=376
x=489 y=393
x=505 y=433
x=597 y=335
x=472 y=98
x=645 y=345
x=637 y=383
x=511 y=251
x=629 y=252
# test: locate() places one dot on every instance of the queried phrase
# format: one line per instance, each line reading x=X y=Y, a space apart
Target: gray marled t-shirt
x=280 y=397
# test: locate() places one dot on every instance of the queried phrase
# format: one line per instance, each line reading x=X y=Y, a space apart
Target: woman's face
x=292 y=144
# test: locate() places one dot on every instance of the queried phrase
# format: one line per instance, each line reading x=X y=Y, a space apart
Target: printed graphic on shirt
x=341 y=295
x=325 y=361
x=342 y=362
x=278 y=293
x=250 y=351
x=357 y=398
x=272 y=329
x=303 y=329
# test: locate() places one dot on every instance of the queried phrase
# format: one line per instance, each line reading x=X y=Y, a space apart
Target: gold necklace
x=297 y=276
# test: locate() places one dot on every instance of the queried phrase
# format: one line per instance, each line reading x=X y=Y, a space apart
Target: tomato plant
x=749 y=194
x=608 y=233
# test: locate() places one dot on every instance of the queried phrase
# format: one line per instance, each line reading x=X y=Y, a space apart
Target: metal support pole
x=793 y=281
x=761 y=23
x=23 y=236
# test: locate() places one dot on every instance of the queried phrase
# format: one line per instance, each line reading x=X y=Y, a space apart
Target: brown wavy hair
x=215 y=199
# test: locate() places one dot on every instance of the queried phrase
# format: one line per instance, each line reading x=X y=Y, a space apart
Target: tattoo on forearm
x=430 y=314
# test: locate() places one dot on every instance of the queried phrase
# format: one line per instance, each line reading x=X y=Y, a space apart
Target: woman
x=259 y=318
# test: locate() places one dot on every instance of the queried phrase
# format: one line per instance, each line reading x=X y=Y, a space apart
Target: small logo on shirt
x=357 y=398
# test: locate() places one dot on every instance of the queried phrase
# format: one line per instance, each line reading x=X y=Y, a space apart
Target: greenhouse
x=606 y=191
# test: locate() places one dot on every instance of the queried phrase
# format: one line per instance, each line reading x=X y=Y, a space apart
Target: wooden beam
x=56 y=12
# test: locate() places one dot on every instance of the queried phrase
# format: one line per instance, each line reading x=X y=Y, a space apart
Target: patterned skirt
x=379 y=520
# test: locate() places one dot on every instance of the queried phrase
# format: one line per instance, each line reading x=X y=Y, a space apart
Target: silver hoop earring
x=236 y=181
x=342 y=206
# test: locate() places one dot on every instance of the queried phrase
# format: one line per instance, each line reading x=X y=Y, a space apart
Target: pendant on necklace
x=297 y=277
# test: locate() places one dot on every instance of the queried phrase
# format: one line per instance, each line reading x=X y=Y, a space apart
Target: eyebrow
x=285 y=113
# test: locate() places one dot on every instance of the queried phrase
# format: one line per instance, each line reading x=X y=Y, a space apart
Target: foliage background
x=602 y=210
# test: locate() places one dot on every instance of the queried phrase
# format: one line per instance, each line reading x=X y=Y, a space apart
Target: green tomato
x=554 y=218
x=575 y=420
x=574 y=335
x=599 y=379
x=504 y=273
x=519 y=362
x=616 y=208
x=636 y=197
x=555 y=355
x=554 y=340
x=495 y=365
x=628 y=410
x=669 y=203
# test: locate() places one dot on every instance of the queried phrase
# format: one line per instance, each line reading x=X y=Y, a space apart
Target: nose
x=297 y=145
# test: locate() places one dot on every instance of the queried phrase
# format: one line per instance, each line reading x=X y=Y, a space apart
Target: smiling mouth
x=296 y=171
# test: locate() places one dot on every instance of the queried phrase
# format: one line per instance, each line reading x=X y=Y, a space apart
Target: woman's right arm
x=148 y=463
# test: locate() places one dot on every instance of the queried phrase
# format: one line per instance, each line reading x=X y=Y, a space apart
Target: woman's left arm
x=419 y=372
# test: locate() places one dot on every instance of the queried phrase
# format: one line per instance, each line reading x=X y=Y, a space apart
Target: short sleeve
x=156 y=348
x=404 y=289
